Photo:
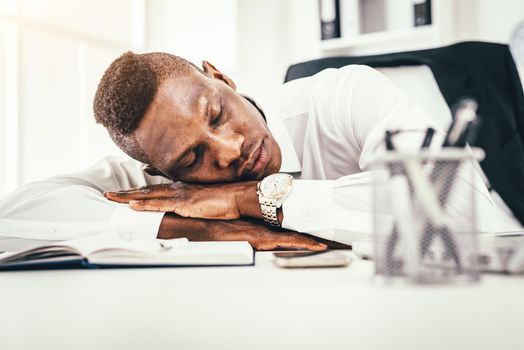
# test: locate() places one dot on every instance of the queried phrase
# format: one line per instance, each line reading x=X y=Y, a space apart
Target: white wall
x=262 y=47
x=303 y=30
x=488 y=20
x=195 y=30
x=4 y=111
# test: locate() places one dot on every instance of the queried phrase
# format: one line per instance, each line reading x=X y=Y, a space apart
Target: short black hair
x=126 y=90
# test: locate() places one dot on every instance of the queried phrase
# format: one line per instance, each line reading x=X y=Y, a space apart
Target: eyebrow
x=202 y=108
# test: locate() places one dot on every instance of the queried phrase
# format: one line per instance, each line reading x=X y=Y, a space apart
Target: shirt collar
x=290 y=162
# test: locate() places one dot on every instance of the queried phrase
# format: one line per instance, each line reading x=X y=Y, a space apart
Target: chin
x=270 y=170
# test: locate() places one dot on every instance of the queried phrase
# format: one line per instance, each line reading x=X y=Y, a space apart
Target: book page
x=110 y=242
x=156 y=252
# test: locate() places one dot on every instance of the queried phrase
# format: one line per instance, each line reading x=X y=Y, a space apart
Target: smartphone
x=328 y=258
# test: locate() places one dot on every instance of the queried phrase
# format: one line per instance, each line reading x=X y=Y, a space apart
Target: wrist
x=247 y=200
x=174 y=226
x=248 y=203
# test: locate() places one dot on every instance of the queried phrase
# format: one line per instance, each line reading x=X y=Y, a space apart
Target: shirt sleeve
x=73 y=206
x=364 y=104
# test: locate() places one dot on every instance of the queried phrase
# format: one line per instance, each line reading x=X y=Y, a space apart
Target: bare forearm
x=175 y=226
x=259 y=235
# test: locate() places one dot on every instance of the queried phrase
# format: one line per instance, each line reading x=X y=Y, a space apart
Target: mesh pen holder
x=424 y=216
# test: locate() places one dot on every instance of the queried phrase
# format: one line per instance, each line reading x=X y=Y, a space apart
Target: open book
x=111 y=251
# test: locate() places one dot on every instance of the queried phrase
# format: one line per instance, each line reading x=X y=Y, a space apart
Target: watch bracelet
x=269 y=213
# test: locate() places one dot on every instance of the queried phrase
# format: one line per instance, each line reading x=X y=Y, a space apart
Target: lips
x=261 y=160
x=256 y=163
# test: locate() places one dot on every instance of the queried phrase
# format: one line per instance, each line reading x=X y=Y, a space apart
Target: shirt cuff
x=308 y=208
x=130 y=224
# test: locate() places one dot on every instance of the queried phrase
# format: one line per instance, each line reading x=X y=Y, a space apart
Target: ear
x=214 y=73
x=152 y=171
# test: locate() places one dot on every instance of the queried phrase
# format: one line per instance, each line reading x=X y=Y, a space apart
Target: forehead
x=172 y=115
x=181 y=95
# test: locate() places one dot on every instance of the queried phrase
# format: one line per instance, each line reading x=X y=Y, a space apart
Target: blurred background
x=53 y=53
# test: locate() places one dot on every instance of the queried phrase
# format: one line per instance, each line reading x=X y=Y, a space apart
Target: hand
x=258 y=235
x=227 y=201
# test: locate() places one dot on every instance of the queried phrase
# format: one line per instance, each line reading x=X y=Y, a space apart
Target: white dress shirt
x=327 y=127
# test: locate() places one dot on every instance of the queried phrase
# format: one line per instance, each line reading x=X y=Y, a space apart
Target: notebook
x=105 y=251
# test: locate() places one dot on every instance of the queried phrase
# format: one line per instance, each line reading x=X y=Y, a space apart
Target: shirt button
x=52 y=230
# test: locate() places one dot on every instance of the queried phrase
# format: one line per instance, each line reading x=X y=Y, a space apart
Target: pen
x=465 y=115
x=389 y=141
x=427 y=139
x=470 y=134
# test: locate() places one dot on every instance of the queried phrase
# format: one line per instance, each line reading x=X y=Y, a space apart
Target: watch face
x=276 y=186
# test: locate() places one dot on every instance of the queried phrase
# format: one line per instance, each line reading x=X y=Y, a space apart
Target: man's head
x=187 y=123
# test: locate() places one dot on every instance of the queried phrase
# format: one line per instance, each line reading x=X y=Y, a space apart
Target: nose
x=227 y=148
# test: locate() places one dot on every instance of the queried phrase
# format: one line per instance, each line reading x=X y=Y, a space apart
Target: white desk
x=260 y=307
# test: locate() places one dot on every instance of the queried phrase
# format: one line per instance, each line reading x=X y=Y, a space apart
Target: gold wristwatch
x=272 y=191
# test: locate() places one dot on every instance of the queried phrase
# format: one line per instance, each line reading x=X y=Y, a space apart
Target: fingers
x=297 y=240
x=146 y=192
x=335 y=245
x=315 y=246
x=156 y=204
x=264 y=246
x=280 y=245
x=290 y=241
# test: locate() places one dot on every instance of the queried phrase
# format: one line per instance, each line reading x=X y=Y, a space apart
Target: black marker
x=427 y=139
x=465 y=116
x=389 y=141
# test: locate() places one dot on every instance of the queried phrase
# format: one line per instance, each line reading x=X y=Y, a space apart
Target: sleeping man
x=209 y=164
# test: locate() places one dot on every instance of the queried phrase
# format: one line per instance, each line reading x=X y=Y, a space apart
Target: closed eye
x=198 y=155
x=216 y=120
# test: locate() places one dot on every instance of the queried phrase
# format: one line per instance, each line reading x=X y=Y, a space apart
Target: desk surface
x=259 y=307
